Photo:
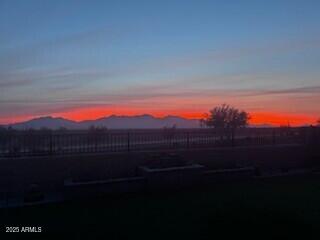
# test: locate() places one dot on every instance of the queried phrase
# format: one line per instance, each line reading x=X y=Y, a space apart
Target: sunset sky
x=89 y=59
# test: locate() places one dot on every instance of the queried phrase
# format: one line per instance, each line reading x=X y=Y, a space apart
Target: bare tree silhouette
x=226 y=120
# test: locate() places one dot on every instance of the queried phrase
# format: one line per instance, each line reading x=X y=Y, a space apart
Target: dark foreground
x=274 y=207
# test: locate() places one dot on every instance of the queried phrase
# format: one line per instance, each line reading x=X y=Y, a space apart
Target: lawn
x=278 y=207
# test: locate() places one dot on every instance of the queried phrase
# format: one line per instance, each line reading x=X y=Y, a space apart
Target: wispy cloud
x=225 y=55
x=30 y=54
x=314 y=90
x=143 y=95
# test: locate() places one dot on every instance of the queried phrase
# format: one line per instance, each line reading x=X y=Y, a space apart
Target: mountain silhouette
x=144 y=121
x=112 y=122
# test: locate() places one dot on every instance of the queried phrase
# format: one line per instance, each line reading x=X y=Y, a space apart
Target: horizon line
x=287 y=123
x=94 y=119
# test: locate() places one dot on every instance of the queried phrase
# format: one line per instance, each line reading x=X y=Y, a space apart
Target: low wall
x=172 y=177
x=96 y=188
x=155 y=180
x=222 y=175
x=49 y=173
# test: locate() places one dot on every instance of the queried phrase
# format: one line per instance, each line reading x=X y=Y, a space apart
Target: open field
x=50 y=172
x=277 y=206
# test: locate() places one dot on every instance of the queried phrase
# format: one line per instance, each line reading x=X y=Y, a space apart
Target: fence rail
x=35 y=143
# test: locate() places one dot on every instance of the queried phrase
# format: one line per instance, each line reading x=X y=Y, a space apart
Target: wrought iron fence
x=14 y=143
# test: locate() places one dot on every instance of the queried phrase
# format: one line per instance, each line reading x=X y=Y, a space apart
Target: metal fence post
x=188 y=140
x=274 y=137
x=96 y=142
x=128 y=141
x=51 y=143
x=232 y=138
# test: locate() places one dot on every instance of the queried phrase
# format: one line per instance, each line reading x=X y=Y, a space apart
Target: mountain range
x=145 y=121
x=112 y=122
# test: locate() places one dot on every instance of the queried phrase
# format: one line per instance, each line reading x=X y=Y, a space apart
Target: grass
x=278 y=207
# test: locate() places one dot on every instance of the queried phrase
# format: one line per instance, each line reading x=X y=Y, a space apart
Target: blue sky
x=57 y=57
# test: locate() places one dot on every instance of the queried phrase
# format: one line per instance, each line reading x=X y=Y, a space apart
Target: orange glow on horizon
x=278 y=119
x=272 y=118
